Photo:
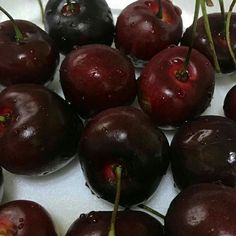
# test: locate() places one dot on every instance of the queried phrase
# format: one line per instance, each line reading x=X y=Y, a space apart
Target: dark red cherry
x=33 y=59
x=25 y=218
x=171 y=94
x=201 y=42
x=205 y=209
x=75 y=23
x=39 y=131
x=127 y=223
x=230 y=104
x=123 y=136
x=96 y=77
x=203 y=151
x=141 y=32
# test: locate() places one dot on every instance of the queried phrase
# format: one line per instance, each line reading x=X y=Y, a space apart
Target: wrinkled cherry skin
x=25 y=218
x=41 y=132
x=96 y=77
x=201 y=42
x=90 y=22
x=123 y=136
x=230 y=104
x=204 y=209
x=127 y=223
x=141 y=34
x=33 y=60
x=168 y=100
x=204 y=151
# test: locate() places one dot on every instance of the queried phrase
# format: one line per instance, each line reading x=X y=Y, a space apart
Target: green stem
x=42 y=10
x=227 y=30
x=149 y=209
x=118 y=172
x=223 y=15
x=2 y=119
x=194 y=27
x=160 y=12
x=209 y=36
x=19 y=36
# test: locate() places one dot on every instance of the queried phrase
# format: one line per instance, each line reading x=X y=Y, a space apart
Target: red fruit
x=230 y=104
x=25 y=218
x=96 y=77
x=32 y=60
x=141 y=33
x=170 y=95
x=204 y=209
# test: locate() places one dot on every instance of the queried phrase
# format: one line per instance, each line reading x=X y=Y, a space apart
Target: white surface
x=64 y=193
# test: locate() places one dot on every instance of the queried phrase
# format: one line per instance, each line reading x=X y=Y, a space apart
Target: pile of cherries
x=115 y=123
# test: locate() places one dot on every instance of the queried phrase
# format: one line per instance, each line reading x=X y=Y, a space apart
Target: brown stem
x=118 y=172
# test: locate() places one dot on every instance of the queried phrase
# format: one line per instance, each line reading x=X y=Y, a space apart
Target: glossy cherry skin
x=140 y=33
x=40 y=133
x=123 y=136
x=169 y=98
x=96 y=77
x=79 y=23
x=32 y=60
x=203 y=151
x=127 y=223
x=25 y=218
x=201 y=42
x=204 y=209
x=230 y=104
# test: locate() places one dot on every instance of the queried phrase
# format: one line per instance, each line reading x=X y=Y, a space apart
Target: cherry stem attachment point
x=42 y=10
x=227 y=30
x=152 y=211
x=118 y=172
x=160 y=11
x=19 y=36
x=209 y=36
x=2 y=120
x=70 y=5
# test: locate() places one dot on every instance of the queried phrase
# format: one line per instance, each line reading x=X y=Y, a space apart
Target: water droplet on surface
x=148 y=3
x=91 y=217
x=181 y=93
x=21 y=219
x=82 y=216
x=20 y=226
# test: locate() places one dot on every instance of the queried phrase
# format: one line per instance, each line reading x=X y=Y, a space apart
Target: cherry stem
x=159 y=13
x=227 y=30
x=222 y=10
x=42 y=10
x=70 y=4
x=2 y=120
x=19 y=36
x=118 y=172
x=194 y=28
x=149 y=209
x=209 y=36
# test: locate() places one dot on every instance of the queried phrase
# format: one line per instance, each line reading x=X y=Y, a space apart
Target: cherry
x=127 y=223
x=75 y=23
x=204 y=150
x=145 y=27
x=204 y=209
x=39 y=132
x=96 y=77
x=27 y=53
x=123 y=136
x=201 y=42
x=172 y=94
x=25 y=218
x=230 y=104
